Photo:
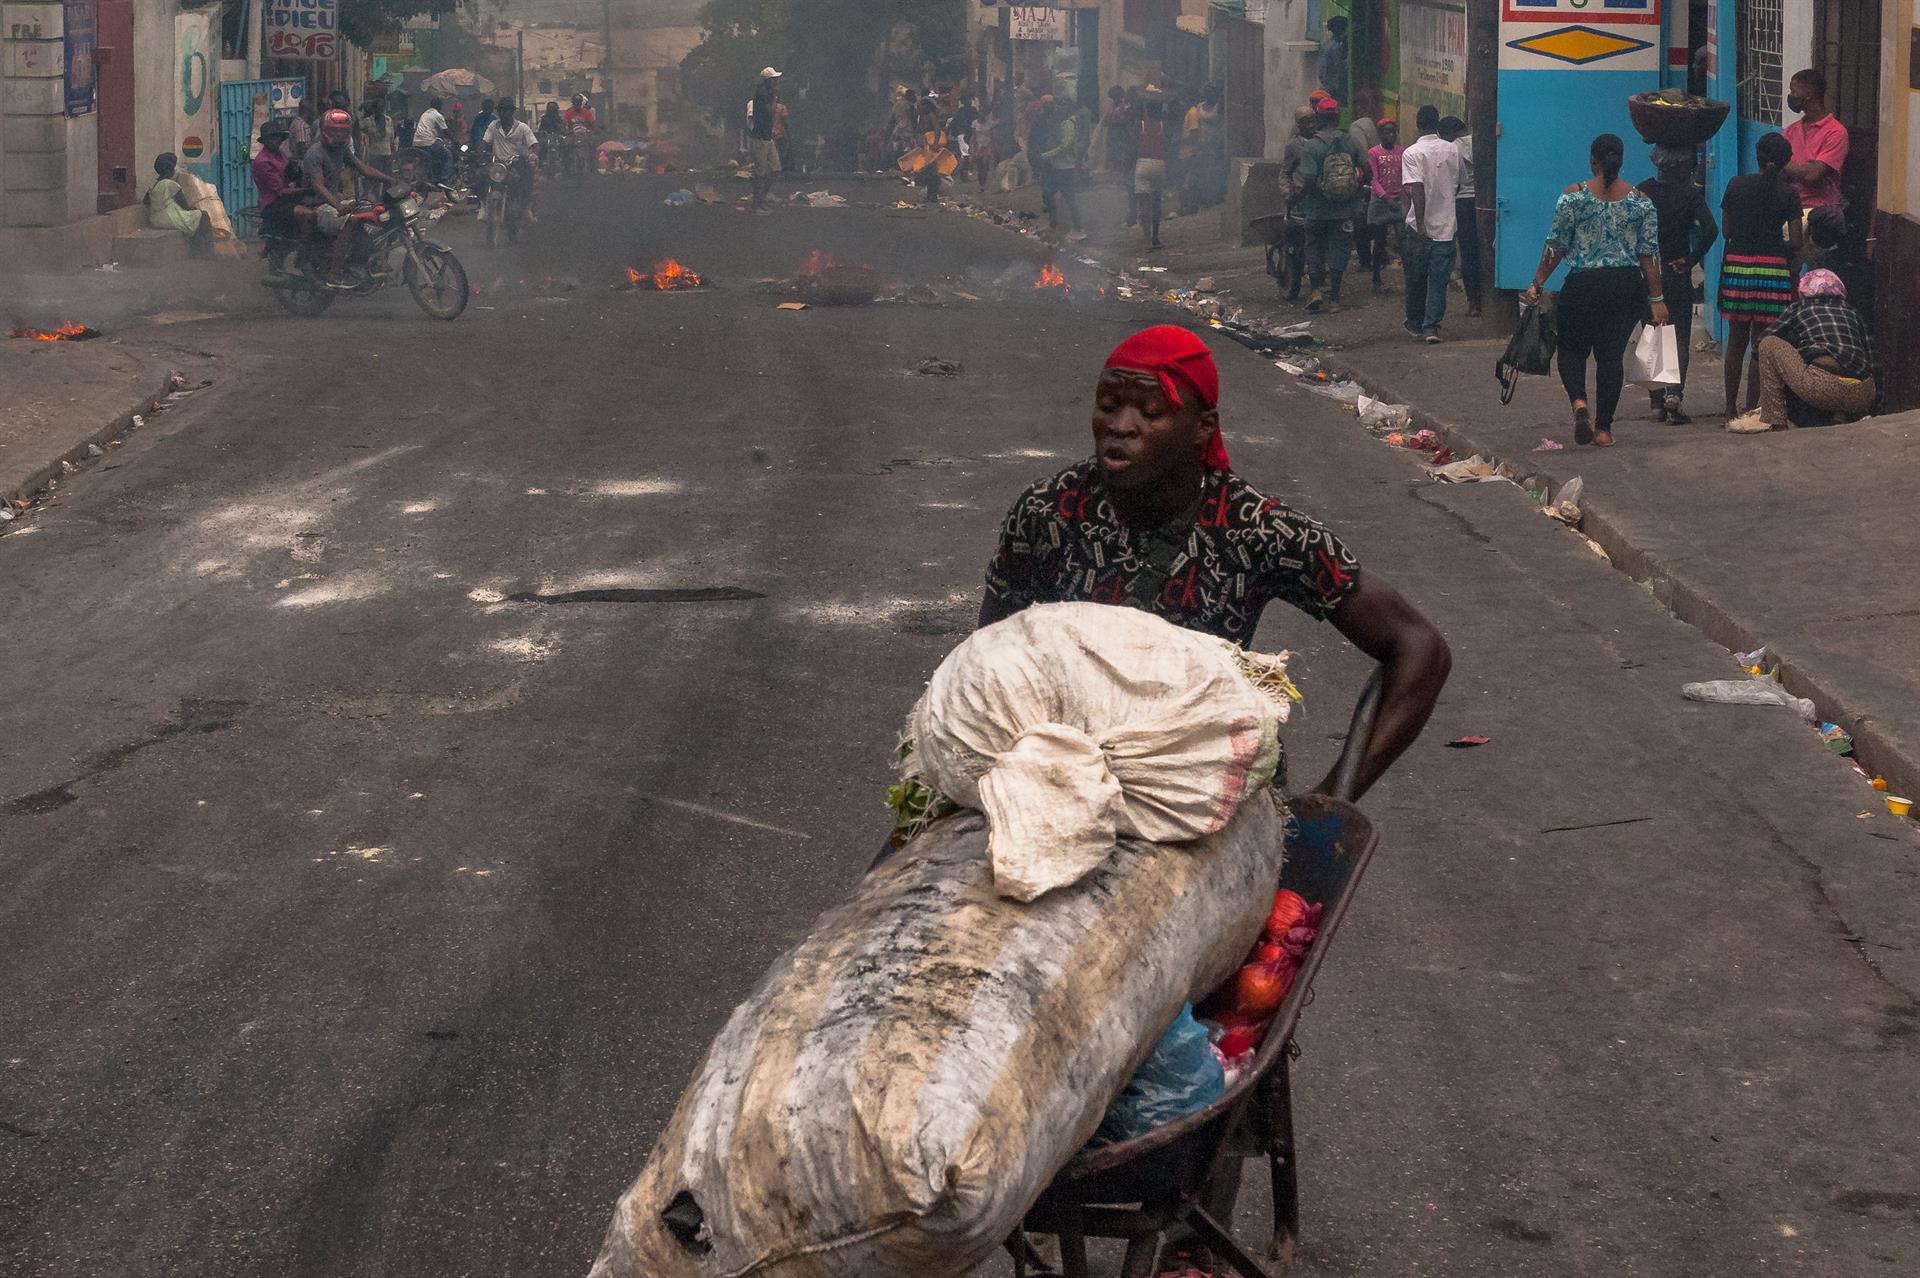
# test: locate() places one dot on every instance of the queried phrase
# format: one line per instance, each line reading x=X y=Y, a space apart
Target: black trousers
x=1678 y=290
x=1598 y=309
x=1466 y=237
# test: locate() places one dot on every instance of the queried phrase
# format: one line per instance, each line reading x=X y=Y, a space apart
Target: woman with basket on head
x=1609 y=235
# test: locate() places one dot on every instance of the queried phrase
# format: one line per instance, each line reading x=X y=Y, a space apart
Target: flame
x=671 y=275
x=1051 y=276
x=633 y=278
x=68 y=331
x=816 y=262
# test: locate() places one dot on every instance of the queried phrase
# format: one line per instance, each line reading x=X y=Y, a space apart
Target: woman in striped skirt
x=1761 y=216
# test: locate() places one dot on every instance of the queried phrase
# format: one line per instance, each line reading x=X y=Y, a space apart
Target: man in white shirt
x=1430 y=176
x=512 y=143
x=430 y=135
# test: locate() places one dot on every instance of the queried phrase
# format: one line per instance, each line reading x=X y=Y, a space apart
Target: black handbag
x=1529 y=351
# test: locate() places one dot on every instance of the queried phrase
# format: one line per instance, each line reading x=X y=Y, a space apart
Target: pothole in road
x=625 y=595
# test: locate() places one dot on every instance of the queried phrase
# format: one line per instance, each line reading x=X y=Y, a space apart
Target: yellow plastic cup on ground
x=1898 y=806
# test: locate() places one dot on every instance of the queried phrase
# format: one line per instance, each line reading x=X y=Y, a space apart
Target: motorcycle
x=509 y=198
x=390 y=245
x=580 y=152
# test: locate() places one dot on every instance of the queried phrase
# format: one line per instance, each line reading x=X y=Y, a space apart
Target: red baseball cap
x=1328 y=107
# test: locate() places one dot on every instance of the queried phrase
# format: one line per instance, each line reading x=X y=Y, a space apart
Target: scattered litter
x=965 y=297
x=1377 y=414
x=1474 y=470
x=1206 y=284
x=1467 y=743
x=1879 y=783
x=1751 y=660
x=1837 y=739
x=8 y=513
x=791 y=306
x=1748 y=692
x=107 y=268
x=1565 y=506
x=1549 y=446
x=138 y=420
x=938 y=366
x=706 y=194
x=1345 y=392
x=94 y=450
x=820 y=199
x=679 y=199
x=1863 y=815
x=1898 y=806
x=1157 y=270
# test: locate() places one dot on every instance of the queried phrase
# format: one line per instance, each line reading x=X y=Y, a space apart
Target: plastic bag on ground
x=1070 y=724
x=904 y=1083
x=1182 y=1076
x=1749 y=692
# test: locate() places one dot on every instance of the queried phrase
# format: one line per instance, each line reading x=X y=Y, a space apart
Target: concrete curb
x=1886 y=748
x=42 y=475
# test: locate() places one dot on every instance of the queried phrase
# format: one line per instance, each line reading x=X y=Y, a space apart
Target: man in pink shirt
x=1819 y=141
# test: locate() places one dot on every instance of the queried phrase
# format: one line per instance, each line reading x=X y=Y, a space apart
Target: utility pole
x=520 y=67
x=606 y=59
x=1483 y=121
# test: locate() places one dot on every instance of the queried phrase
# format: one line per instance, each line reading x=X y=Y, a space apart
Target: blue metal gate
x=244 y=106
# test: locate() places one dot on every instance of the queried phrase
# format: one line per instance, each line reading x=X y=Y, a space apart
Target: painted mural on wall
x=194 y=136
x=1560 y=35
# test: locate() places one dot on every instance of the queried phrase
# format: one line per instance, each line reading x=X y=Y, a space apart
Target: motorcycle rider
x=430 y=135
x=327 y=163
x=580 y=122
x=512 y=143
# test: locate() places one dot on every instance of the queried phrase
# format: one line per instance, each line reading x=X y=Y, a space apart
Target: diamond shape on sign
x=1578 y=45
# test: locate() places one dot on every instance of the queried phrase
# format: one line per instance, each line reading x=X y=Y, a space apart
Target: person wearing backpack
x=1327 y=186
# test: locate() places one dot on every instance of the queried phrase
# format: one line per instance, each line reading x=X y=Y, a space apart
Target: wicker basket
x=1688 y=125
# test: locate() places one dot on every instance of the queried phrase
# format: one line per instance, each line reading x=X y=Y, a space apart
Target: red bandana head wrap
x=1178 y=359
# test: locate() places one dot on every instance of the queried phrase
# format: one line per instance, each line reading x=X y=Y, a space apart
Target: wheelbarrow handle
x=1346 y=773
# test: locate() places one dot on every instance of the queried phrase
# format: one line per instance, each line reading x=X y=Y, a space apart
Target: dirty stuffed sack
x=1072 y=724
x=903 y=1084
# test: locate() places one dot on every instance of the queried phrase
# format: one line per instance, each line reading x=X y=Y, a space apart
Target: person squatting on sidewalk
x=1609 y=237
x=1687 y=231
x=1330 y=181
x=1816 y=365
x=1430 y=170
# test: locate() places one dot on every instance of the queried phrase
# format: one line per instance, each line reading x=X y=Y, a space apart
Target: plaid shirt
x=1828 y=326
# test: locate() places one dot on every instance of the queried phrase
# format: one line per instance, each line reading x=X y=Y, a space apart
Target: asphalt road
x=365 y=909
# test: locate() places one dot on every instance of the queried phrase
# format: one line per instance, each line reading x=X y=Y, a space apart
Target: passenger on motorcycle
x=512 y=143
x=580 y=123
x=327 y=162
x=430 y=135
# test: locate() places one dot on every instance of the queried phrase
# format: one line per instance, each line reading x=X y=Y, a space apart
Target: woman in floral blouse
x=1609 y=236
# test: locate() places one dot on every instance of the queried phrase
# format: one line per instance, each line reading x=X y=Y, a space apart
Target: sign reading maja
x=1035 y=22
x=302 y=29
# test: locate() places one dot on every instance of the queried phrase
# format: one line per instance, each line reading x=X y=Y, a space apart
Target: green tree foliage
x=838 y=56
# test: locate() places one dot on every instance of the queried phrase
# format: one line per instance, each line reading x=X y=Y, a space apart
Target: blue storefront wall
x=1567 y=68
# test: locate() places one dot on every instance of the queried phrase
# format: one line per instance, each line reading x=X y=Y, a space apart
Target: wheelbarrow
x=1285 y=250
x=1187 y=1173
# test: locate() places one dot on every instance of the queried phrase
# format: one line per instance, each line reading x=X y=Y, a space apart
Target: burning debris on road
x=67 y=332
x=666 y=276
x=1051 y=276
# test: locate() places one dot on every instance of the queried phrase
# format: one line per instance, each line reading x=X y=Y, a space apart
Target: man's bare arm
x=1382 y=624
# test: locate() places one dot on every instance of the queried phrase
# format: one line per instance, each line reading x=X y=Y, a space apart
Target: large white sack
x=903 y=1084
x=1071 y=724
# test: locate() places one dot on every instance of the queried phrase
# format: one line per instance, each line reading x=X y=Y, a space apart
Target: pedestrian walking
x=1816 y=364
x=1687 y=231
x=1431 y=170
x=1121 y=125
x=1386 y=204
x=762 y=151
x=1057 y=158
x=1329 y=182
x=1305 y=125
x=1609 y=236
x=1760 y=215
x=1466 y=215
x=1150 y=165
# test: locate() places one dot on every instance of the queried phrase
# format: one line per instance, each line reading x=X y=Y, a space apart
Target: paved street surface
x=418 y=741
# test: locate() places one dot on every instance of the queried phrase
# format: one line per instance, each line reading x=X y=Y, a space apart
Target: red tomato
x=1259 y=990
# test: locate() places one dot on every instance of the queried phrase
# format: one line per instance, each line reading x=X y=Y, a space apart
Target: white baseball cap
x=768 y=73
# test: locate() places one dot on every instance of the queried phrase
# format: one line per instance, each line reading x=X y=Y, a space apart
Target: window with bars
x=1760 y=60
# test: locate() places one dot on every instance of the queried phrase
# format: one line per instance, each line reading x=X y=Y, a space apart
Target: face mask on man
x=1796 y=103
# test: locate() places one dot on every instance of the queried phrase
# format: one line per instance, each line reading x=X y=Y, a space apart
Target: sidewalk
x=1802 y=541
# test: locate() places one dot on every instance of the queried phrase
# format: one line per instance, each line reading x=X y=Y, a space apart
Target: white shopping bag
x=1655 y=357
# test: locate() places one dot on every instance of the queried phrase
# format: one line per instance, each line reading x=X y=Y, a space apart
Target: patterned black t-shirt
x=1064 y=541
